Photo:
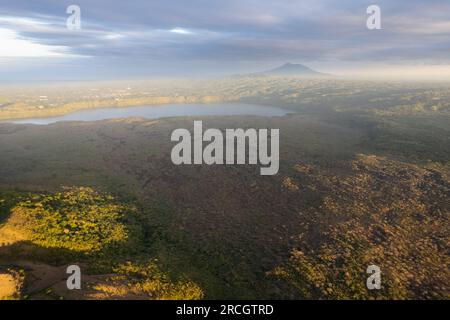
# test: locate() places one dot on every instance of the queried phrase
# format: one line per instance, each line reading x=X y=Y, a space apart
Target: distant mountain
x=293 y=69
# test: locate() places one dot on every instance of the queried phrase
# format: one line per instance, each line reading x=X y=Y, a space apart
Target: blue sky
x=138 y=38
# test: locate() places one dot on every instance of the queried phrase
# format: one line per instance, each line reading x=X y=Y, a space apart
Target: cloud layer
x=140 y=37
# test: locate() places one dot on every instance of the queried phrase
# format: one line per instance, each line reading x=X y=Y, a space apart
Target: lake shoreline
x=156 y=112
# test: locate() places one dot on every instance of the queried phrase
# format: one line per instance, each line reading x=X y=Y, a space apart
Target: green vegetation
x=8 y=199
x=397 y=220
x=148 y=279
x=364 y=179
x=78 y=219
x=383 y=99
x=92 y=227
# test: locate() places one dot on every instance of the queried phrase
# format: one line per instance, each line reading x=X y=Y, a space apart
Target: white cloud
x=113 y=36
x=13 y=47
x=181 y=31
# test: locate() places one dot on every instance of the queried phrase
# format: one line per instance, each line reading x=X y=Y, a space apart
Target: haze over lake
x=160 y=111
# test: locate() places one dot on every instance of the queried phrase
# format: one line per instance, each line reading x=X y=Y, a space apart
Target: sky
x=154 y=38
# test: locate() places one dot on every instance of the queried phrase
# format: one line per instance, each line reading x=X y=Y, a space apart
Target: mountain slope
x=292 y=69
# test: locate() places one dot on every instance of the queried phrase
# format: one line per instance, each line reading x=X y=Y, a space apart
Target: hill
x=292 y=69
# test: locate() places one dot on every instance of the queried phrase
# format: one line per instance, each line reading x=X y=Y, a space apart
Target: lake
x=160 y=111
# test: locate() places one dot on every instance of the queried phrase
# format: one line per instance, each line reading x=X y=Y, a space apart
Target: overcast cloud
x=139 y=38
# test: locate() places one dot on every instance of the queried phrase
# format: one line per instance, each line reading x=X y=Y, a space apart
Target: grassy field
x=354 y=188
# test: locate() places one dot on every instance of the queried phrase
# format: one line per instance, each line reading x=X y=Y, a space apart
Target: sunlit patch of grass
x=79 y=219
x=11 y=282
x=147 y=279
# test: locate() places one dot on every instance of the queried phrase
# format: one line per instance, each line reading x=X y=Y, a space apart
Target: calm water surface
x=160 y=111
